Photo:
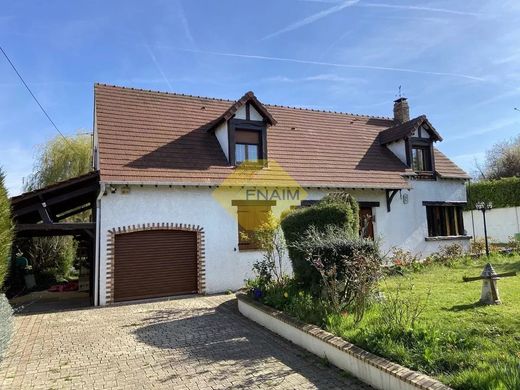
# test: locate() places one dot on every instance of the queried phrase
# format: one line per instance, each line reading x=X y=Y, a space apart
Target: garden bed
x=376 y=371
x=454 y=339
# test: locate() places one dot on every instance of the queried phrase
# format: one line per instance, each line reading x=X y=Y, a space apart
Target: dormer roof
x=406 y=129
x=249 y=97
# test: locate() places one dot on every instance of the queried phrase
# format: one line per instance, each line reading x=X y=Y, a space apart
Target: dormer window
x=421 y=158
x=242 y=131
x=247 y=146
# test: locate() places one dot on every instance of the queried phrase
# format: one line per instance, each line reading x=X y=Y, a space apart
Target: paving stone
x=185 y=343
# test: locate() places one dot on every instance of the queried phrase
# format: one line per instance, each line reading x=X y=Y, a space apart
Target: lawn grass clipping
x=463 y=344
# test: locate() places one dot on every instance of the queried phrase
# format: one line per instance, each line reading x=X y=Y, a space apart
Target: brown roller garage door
x=154 y=263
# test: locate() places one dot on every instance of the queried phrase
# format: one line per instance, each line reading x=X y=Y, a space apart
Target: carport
x=48 y=212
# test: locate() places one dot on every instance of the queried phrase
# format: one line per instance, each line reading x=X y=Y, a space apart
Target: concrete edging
x=369 y=368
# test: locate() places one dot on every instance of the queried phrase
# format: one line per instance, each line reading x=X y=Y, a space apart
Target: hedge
x=342 y=213
x=502 y=193
x=6 y=230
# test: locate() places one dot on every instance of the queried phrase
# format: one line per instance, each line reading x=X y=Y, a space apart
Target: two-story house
x=175 y=196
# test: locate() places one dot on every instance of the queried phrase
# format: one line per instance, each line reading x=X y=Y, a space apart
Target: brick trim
x=201 y=251
x=413 y=378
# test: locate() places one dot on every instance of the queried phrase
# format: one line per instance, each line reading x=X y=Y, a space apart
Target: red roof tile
x=147 y=136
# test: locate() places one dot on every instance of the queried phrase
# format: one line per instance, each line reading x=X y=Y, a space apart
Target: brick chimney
x=401 y=110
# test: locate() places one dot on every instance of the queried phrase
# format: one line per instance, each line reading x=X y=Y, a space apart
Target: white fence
x=501 y=224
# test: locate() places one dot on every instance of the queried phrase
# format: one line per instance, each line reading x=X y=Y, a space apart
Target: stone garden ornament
x=489 y=277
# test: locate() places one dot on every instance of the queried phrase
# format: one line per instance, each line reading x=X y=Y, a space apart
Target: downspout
x=98 y=244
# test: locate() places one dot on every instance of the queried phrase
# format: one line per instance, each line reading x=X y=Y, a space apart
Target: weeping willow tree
x=61 y=159
x=57 y=160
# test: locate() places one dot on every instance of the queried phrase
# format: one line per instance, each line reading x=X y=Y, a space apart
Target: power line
x=34 y=97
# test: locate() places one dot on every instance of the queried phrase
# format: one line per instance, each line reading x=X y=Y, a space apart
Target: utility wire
x=34 y=97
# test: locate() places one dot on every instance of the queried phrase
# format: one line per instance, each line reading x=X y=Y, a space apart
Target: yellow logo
x=260 y=184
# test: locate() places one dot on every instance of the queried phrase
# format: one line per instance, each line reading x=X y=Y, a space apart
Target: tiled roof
x=156 y=137
x=406 y=129
x=446 y=168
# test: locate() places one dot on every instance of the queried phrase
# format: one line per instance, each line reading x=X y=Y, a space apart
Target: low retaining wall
x=369 y=368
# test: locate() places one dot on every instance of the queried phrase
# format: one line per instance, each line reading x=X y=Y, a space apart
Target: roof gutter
x=220 y=184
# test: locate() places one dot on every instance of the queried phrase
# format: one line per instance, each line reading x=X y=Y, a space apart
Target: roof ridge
x=234 y=101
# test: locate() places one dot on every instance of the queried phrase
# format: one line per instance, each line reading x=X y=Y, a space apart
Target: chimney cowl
x=401 y=110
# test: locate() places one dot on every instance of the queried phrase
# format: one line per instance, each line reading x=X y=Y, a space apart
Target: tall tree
x=6 y=230
x=57 y=160
x=502 y=160
x=61 y=159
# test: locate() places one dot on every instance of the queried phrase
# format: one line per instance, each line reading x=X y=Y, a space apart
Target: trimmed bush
x=331 y=211
x=6 y=324
x=6 y=231
x=502 y=193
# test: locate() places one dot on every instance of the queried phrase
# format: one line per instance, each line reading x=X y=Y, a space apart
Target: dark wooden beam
x=389 y=197
x=75 y=211
x=55 y=229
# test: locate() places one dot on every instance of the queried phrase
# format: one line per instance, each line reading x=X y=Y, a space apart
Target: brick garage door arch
x=165 y=227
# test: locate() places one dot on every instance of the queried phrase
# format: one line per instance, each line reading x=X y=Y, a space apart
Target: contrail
x=159 y=67
x=397 y=6
x=312 y=18
x=418 y=8
x=332 y=64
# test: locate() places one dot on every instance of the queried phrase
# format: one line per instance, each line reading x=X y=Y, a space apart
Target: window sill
x=447 y=238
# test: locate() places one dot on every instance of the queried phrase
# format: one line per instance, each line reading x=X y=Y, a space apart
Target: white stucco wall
x=253 y=114
x=502 y=223
x=227 y=267
x=221 y=132
x=399 y=149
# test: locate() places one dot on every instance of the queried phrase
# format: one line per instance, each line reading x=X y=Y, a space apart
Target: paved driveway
x=185 y=343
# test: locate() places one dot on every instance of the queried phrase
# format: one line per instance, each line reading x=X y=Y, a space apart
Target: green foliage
x=289 y=297
x=349 y=267
x=342 y=213
x=269 y=237
x=502 y=193
x=61 y=159
x=57 y=160
x=461 y=343
x=51 y=258
x=6 y=324
x=351 y=207
x=6 y=231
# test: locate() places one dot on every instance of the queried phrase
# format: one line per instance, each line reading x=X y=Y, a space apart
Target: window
x=245 y=152
x=247 y=146
x=421 y=159
x=444 y=221
x=250 y=218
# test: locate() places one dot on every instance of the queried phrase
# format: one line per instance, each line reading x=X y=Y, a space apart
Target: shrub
x=447 y=255
x=402 y=260
x=349 y=267
x=402 y=308
x=51 y=258
x=271 y=241
x=328 y=212
x=502 y=193
x=6 y=230
x=351 y=207
x=6 y=324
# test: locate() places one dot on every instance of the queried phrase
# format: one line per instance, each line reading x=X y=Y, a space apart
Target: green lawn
x=465 y=345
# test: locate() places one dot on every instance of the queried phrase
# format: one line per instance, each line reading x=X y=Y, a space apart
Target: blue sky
x=458 y=62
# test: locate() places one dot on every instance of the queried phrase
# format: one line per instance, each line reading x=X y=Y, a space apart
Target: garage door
x=154 y=263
